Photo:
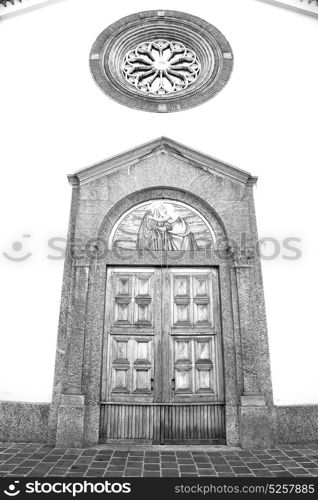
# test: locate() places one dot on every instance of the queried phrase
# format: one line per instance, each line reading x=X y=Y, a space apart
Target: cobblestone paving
x=37 y=460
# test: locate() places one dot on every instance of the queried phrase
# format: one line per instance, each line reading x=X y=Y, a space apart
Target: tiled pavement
x=37 y=460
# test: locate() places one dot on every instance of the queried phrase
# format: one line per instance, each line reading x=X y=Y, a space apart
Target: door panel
x=191 y=299
x=130 y=336
x=194 y=344
x=193 y=368
x=162 y=377
x=133 y=301
x=132 y=365
x=163 y=423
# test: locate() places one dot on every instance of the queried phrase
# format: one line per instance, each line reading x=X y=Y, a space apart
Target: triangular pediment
x=162 y=145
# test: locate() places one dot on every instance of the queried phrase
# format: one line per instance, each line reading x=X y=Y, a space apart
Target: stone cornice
x=302 y=6
x=13 y=7
x=167 y=146
x=73 y=180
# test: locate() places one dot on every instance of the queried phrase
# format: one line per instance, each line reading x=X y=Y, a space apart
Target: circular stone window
x=161 y=61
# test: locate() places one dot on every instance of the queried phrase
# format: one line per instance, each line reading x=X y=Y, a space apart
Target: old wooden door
x=162 y=367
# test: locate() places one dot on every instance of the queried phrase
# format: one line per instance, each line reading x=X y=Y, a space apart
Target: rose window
x=161 y=67
x=161 y=61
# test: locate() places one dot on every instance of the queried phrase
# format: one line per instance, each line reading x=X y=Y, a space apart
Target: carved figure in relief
x=163 y=229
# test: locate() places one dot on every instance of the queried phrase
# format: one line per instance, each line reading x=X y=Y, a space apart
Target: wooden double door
x=162 y=366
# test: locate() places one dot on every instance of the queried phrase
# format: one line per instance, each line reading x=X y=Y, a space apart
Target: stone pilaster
x=72 y=383
x=257 y=422
x=249 y=337
x=71 y=411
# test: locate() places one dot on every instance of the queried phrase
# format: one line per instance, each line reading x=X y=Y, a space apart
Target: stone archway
x=223 y=196
x=162 y=369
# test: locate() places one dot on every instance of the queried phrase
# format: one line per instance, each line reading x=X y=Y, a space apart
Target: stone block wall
x=24 y=422
x=297 y=424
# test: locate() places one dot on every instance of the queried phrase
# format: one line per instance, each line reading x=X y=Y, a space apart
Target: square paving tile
x=282 y=474
x=133 y=473
x=152 y=467
x=64 y=463
x=241 y=470
x=58 y=471
x=132 y=464
x=22 y=470
x=79 y=468
x=115 y=468
x=223 y=468
x=188 y=468
x=170 y=473
x=98 y=465
x=263 y=473
x=102 y=458
x=84 y=460
x=117 y=461
x=6 y=468
x=226 y=474
x=96 y=472
x=206 y=473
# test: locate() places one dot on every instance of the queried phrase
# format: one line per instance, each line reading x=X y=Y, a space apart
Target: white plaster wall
x=54 y=120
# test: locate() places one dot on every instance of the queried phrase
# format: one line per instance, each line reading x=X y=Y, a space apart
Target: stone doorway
x=141 y=210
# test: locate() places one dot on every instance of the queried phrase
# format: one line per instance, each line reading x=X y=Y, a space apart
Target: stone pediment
x=162 y=145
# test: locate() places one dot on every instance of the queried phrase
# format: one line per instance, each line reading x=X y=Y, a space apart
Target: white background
x=54 y=120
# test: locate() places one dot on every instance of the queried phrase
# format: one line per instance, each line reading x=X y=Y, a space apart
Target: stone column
x=71 y=411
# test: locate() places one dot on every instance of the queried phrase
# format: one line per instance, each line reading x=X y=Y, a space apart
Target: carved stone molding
x=243 y=256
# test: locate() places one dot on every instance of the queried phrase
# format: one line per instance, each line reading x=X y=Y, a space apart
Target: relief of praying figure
x=163 y=229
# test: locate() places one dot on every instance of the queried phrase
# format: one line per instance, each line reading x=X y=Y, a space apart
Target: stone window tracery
x=161 y=67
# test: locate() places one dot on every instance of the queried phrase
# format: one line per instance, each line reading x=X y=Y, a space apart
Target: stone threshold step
x=150 y=447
